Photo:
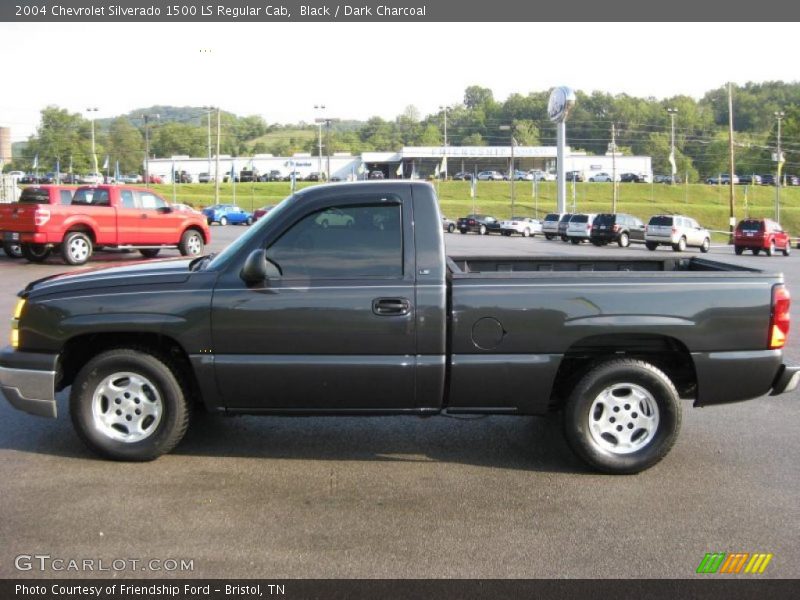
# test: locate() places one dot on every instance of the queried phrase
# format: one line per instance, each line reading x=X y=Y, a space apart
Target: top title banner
x=395 y=10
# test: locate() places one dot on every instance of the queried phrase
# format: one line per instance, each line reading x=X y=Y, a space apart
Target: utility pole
x=444 y=148
x=320 y=107
x=327 y=121
x=672 y=112
x=779 y=160
x=146 y=149
x=216 y=170
x=511 y=170
x=94 y=152
x=209 y=110
x=614 y=167
x=732 y=222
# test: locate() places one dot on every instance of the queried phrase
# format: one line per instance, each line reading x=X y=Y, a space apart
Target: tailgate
x=21 y=218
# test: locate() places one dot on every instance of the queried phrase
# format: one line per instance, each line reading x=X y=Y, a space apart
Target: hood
x=140 y=273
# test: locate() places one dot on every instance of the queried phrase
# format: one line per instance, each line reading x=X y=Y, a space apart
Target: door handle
x=388 y=307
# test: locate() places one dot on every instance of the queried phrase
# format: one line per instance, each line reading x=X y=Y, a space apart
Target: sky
x=280 y=71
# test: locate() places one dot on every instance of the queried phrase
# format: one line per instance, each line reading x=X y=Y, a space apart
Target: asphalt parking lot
x=491 y=497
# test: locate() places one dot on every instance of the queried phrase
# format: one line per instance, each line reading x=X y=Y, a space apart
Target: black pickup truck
x=342 y=301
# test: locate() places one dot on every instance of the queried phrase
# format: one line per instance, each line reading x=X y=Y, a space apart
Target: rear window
x=566 y=218
x=552 y=217
x=91 y=197
x=751 y=225
x=579 y=219
x=605 y=219
x=661 y=220
x=34 y=196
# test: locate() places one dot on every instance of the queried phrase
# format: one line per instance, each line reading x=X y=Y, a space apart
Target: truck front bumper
x=28 y=381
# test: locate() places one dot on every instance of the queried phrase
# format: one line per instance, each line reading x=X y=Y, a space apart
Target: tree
x=178 y=139
x=475 y=96
x=125 y=144
x=61 y=135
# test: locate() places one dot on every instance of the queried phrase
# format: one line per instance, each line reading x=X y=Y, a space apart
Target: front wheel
x=129 y=405
x=12 y=249
x=483 y=230
x=705 y=246
x=76 y=248
x=680 y=246
x=526 y=233
x=451 y=228
x=191 y=243
x=787 y=249
x=223 y=221
x=623 y=416
x=624 y=241
x=249 y=221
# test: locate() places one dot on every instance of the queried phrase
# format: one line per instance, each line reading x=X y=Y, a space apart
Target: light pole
x=672 y=112
x=209 y=110
x=779 y=114
x=321 y=108
x=732 y=193
x=327 y=121
x=94 y=152
x=444 y=148
x=510 y=128
x=216 y=169
x=146 y=149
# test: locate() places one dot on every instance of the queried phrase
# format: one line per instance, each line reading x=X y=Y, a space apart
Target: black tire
x=738 y=250
x=597 y=243
x=705 y=246
x=76 y=248
x=624 y=241
x=548 y=236
x=191 y=243
x=164 y=385
x=249 y=221
x=756 y=251
x=526 y=232
x=223 y=221
x=150 y=252
x=651 y=245
x=564 y=238
x=575 y=241
x=35 y=253
x=590 y=401
x=787 y=249
x=12 y=250
x=451 y=228
x=770 y=251
x=506 y=233
x=463 y=231
x=483 y=230
x=680 y=246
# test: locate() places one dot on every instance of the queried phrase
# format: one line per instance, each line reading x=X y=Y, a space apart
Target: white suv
x=676 y=231
x=550 y=225
x=579 y=228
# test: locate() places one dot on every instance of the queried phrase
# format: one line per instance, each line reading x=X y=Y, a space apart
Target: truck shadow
x=520 y=443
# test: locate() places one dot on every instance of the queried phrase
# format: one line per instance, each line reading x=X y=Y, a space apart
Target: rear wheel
x=249 y=221
x=129 y=405
x=575 y=241
x=771 y=249
x=35 y=252
x=624 y=241
x=150 y=252
x=651 y=245
x=451 y=228
x=738 y=250
x=756 y=251
x=548 y=236
x=191 y=243
x=463 y=231
x=564 y=238
x=623 y=416
x=526 y=233
x=705 y=246
x=12 y=250
x=76 y=248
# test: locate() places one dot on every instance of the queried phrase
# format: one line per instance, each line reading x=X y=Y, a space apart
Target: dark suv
x=620 y=228
x=562 y=226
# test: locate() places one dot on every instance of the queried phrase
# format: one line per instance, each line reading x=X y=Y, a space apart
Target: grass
x=283 y=135
x=708 y=204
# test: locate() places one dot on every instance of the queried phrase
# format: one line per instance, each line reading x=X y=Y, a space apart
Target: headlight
x=15 y=322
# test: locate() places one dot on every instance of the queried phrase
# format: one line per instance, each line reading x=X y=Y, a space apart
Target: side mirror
x=164 y=210
x=258 y=268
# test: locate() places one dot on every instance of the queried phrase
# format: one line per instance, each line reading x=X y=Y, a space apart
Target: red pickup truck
x=33 y=196
x=109 y=216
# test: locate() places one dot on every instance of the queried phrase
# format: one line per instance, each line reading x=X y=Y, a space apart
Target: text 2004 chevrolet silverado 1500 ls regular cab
x=341 y=301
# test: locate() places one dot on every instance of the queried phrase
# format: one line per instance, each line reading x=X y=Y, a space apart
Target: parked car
x=182 y=177
x=579 y=228
x=259 y=329
x=16 y=174
x=180 y=207
x=260 y=213
x=227 y=213
x=448 y=225
x=539 y=175
x=298 y=176
x=524 y=226
x=157 y=179
x=335 y=218
x=761 y=234
x=10 y=214
x=91 y=179
x=662 y=178
x=563 y=222
x=490 y=176
x=482 y=224
x=676 y=231
x=273 y=175
x=790 y=180
x=108 y=216
x=248 y=175
x=376 y=175
x=722 y=179
x=750 y=179
x=601 y=177
x=132 y=178
x=550 y=225
x=634 y=178
x=522 y=176
x=574 y=176
x=315 y=176
x=462 y=176
x=617 y=227
x=205 y=178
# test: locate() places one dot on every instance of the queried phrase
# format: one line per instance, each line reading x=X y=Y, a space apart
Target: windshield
x=222 y=258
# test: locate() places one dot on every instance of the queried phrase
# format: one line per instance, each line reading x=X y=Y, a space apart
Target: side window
x=343 y=242
x=65 y=197
x=127 y=199
x=150 y=201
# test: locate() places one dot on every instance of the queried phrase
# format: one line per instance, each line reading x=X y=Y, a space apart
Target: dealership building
x=410 y=162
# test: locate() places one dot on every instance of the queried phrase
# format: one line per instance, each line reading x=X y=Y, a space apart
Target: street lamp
x=94 y=152
x=327 y=122
x=672 y=112
x=779 y=114
x=321 y=108
x=146 y=149
x=444 y=148
x=510 y=128
x=208 y=110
